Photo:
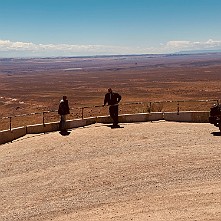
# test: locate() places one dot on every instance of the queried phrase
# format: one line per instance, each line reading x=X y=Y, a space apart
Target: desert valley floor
x=32 y=85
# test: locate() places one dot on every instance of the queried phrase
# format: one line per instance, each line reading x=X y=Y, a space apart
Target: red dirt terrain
x=33 y=85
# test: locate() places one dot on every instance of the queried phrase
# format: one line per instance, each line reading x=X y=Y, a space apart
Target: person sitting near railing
x=63 y=110
x=112 y=99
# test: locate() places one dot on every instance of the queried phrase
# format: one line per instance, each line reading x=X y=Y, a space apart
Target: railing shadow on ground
x=10 y=122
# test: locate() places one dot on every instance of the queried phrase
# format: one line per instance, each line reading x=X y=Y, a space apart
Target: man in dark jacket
x=112 y=99
x=63 y=110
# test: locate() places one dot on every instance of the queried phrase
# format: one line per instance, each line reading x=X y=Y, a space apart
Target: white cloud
x=174 y=46
x=178 y=44
x=59 y=49
x=14 y=49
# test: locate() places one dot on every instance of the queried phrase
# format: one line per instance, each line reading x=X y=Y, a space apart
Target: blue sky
x=94 y=27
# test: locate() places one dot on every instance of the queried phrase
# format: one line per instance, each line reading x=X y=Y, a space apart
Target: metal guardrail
x=149 y=108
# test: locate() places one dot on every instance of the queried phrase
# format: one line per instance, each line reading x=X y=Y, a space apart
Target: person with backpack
x=63 y=110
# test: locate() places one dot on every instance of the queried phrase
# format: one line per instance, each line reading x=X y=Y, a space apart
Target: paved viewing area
x=152 y=171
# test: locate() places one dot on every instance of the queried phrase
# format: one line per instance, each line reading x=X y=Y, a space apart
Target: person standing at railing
x=63 y=110
x=112 y=99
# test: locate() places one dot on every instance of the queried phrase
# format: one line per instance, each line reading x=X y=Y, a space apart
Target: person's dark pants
x=62 y=125
x=113 y=110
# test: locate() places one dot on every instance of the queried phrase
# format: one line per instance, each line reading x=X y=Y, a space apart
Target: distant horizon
x=193 y=52
x=10 y=49
x=46 y=28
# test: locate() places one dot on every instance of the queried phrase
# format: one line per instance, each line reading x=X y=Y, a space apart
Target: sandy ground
x=148 y=171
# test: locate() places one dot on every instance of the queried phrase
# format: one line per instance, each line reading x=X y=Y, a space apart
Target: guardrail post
x=149 y=108
x=43 y=118
x=178 y=108
x=82 y=113
x=10 y=123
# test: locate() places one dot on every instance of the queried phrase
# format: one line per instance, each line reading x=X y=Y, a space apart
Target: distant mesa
x=199 y=51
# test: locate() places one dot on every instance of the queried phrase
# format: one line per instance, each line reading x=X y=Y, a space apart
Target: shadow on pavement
x=64 y=133
x=216 y=133
x=115 y=127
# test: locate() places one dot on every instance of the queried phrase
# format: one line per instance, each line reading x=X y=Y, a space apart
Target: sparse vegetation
x=27 y=87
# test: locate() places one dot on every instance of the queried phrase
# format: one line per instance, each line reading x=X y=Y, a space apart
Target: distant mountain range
x=199 y=51
x=188 y=52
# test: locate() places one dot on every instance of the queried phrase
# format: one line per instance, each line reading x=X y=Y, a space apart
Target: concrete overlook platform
x=142 y=171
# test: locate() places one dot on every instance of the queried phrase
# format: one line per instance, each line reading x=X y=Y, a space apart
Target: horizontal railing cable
x=128 y=103
x=150 y=104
